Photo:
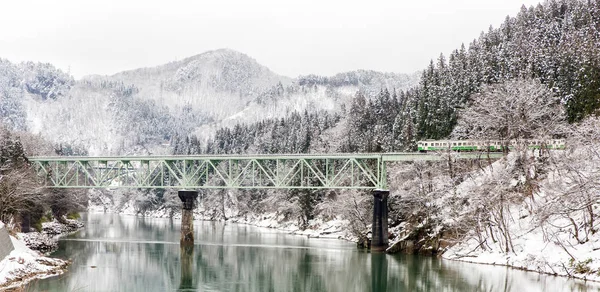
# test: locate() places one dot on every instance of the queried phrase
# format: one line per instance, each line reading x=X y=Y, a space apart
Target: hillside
x=144 y=110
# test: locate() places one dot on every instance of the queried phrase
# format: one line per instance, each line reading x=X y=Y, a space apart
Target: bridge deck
x=281 y=171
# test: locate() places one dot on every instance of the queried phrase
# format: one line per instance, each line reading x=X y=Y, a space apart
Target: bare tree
x=513 y=110
x=509 y=112
x=21 y=196
x=573 y=184
x=20 y=193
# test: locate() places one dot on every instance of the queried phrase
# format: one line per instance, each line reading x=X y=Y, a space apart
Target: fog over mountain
x=140 y=111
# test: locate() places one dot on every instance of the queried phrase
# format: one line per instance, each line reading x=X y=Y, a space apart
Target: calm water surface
x=126 y=253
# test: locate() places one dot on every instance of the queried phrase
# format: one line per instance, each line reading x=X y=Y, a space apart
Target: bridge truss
x=331 y=171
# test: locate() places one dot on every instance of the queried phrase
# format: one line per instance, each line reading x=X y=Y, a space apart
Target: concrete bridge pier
x=187 y=216
x=379 y=229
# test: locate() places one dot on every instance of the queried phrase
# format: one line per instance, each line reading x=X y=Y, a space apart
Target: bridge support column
x=187 y=216
x=379 y=229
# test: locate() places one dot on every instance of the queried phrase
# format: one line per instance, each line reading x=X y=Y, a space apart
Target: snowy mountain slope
x=141 y=111
x=216 y=83
x=314 y=93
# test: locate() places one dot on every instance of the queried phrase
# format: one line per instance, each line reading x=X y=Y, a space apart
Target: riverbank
x=27 y=261
x=46 y=241
x=534 y=247
x=551 y=229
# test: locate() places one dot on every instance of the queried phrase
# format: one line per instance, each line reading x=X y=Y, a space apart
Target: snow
x=532 y=251
x=317 y=228
x=551 y=231
x=23 y=265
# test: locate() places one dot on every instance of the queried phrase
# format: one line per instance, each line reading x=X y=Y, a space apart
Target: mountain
x=216 y=83
x=141 y=111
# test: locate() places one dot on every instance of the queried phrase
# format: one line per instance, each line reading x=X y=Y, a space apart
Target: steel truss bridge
x=294 y=171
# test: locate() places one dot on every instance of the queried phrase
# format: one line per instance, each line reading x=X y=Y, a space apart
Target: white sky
x=290 y=37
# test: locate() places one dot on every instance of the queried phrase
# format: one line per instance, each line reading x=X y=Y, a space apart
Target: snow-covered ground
x=23 y=265
x=554 y=230
x=47 y=240
x=534 y=250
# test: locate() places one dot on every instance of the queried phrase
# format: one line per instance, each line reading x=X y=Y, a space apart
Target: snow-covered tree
x=513 y=110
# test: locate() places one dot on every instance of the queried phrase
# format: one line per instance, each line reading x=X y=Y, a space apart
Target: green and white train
x=479 y=145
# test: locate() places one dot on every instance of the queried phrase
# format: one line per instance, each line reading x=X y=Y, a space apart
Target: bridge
x=286 y=172
x=290 y=171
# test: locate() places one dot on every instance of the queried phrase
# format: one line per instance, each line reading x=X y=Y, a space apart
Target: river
x=126 y=253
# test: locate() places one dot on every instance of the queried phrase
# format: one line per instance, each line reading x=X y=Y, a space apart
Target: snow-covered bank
x=551 y=227
x=24 y=264
x=534 y=249
x=47 y=240
x=557 y=244
x=318 y=228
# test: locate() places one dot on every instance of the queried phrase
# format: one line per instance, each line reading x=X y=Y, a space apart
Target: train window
x=454 y=144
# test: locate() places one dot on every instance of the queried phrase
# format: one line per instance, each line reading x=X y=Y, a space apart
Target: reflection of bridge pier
x=187 y=267
x=188 y=198
x=379 y=272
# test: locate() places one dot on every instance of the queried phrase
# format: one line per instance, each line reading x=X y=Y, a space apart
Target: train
x=491 y=145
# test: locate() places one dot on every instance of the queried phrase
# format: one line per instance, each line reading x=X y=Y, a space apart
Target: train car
x=491 y=145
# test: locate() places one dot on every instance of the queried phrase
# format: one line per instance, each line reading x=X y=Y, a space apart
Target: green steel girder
x=301 y=171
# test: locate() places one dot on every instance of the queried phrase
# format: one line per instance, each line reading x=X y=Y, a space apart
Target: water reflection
x=379 y=273
x=119 y=253
x=187 y=269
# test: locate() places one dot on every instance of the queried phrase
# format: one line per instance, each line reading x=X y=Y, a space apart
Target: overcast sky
x=290 y=37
